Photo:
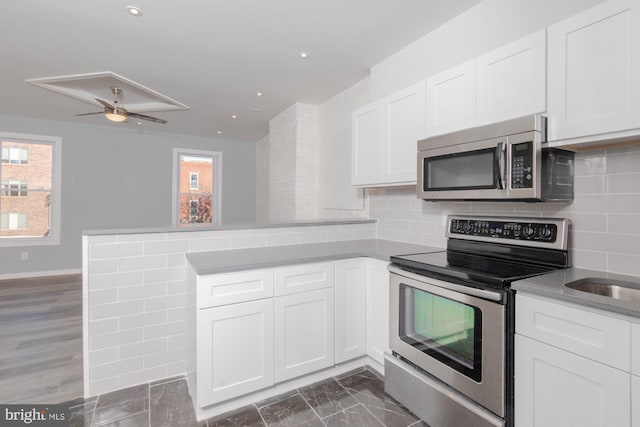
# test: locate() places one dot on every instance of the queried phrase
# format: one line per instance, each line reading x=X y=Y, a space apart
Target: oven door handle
x=481 y=293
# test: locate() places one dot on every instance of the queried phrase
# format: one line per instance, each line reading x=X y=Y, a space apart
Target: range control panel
x=510 y=230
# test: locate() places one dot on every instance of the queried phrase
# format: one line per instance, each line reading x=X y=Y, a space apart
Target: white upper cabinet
x=405 y=121
x=594 y=65
x=366 y=144
x=385 y=138
x=511 y=80
x=451 y=99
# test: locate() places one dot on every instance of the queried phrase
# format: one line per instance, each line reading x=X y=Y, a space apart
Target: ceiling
x=211 y=55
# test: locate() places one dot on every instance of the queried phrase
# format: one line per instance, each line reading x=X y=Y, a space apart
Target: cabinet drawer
x=230 y=288
x=305 y=277
x=591 y=335
x=635 y=349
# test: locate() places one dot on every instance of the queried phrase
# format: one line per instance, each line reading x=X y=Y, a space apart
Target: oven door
x=451 y=334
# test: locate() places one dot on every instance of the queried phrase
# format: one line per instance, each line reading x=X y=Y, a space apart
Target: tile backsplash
x=605 y=214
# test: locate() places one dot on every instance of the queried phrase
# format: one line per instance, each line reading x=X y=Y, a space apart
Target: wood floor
x=41 y=340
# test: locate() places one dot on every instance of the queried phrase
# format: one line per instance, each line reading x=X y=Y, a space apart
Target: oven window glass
x=467 y=170
x=446 y=330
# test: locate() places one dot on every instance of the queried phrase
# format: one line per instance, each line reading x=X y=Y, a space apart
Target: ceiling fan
x=117 y=113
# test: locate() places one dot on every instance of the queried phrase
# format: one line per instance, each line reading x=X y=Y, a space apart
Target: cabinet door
x=511 y=80
x=635 y=401
x=405 y=124
x=635 y=349
x=377 y=310
x=593 y=68
x=557 y=388
x=235 y=350
x=304 y=333
x=451 y=99
x=366 y=145
x=350 y=317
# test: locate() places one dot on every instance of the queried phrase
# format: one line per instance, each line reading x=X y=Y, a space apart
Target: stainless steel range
x=452 y=317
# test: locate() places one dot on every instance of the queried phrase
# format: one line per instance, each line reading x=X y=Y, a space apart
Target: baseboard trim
x=32 y=274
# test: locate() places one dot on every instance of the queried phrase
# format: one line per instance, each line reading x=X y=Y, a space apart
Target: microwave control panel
x=522 y=165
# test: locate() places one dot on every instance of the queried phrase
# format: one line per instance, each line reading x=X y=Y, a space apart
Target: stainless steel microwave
x=500 y=161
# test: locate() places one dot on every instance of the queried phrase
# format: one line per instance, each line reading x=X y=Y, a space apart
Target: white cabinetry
x=635 y=401
x=235 y=350
x=350 y=317
x=377 y=309
x=572 y=366
x=593 y=69
x=511 y=80
x=451 y=99
x=385 y=136
x=303 y=333
x=505 y=83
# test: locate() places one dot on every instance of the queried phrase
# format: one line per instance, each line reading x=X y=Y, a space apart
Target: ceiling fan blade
x=90 y=114
x=105 y=103
x=145 y=117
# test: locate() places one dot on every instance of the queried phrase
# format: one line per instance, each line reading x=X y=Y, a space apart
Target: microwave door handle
x=501 y=153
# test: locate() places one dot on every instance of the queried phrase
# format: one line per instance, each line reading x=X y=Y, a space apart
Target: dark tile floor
x=353 y=399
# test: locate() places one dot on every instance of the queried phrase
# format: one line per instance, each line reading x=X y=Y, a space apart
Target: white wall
x=282 y=165
x=117 y=177
x=262 y=179
x=486 y=26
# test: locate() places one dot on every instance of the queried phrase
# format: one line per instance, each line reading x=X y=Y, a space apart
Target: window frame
x=53 y=238
x=216 y=188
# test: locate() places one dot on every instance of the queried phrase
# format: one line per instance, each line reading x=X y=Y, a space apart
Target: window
x=13 y=188
x=13 y=221
x=29 y=190
x=193 y=179
x=15 y=155
x=196 y=186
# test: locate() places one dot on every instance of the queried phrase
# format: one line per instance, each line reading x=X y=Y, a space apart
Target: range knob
x=527 y=231
x=467 y=227
x=545 y=233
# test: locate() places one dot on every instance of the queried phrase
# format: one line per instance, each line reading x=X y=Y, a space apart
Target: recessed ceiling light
x=303 y=55
x=135 y=11
x=234 y=116
x=257 y=110
x=219 y=132
x=258 y=93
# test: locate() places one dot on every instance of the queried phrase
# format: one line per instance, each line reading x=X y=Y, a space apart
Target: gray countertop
x=552 y=286
x=248 y=259
x=218 y=227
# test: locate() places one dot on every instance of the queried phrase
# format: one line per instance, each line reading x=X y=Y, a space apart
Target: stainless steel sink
x=617 y=289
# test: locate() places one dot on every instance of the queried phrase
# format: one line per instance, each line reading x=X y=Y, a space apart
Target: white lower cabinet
x=635 y=401
x=235 y=350
x=377 y=304
x=556 y=388
x=304 y=333
x=350 y=316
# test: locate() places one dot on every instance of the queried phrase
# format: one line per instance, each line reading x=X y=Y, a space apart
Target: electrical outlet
x=24 y=256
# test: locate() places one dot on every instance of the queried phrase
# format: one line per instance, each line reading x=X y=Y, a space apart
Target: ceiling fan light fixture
x=115 y=116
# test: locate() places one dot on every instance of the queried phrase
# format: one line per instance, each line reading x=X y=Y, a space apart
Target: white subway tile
x=623 y=163
x=143 y=376
x=166 y=247
x=241 y=242
x=178 y=341
x=625 y=183
x=189 y=235
x=176 y=260
x=142 y=237
x=103 y=266
x=624 y=223
x=112 y=369
x=115 y=280
x=115 y=250
x=170 y=301
x=100 y=357
x=178 y=368
x=99 y=342
x=142 y=292
x=591 y=259
x=589 y=222
x=166 y=357
x=211 y=244
x=116 y=309
x=229 y=233
x=282 y=239
x=589 y=184
x=142 y=348
x=178 y=287
x=102 y=240
x=624 y=264
x=313 y=237
x=166 y=330
x=142 y=262
x=165 y=275
x=142 y=319
x=175 y=314
x=103 y=386
x=103 y=296
x=590 y=166
x=105 y=326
